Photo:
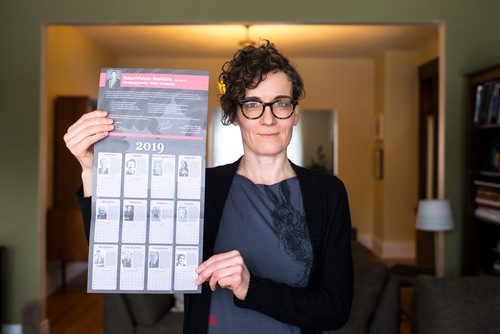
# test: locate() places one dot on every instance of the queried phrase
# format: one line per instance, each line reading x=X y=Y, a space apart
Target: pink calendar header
x=160 y=80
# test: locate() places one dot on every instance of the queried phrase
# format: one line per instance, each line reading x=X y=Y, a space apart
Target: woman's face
x=267 y=135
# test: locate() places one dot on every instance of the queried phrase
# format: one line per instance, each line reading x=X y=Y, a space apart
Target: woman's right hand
x=81 y=137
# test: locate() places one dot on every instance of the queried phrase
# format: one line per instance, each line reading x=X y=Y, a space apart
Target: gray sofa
x=461 y=305
x=375 y=306
x=141 y=314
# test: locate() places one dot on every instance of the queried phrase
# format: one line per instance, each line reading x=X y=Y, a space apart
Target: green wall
x=469 y=45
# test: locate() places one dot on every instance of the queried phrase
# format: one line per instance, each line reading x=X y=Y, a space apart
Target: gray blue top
x=266 y=224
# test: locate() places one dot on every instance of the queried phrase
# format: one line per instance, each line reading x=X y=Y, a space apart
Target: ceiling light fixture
x=247 y=41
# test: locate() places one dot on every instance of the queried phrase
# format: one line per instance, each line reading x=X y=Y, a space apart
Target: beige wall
x=396 y=194
x=73 y=66
x=401 y=145
x=347 y=85
x=429 y=51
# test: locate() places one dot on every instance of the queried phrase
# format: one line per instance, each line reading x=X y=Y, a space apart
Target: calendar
x=146 y=232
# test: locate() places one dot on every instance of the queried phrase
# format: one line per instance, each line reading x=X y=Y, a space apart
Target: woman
x=276 y=236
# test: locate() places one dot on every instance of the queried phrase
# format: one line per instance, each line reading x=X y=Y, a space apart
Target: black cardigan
x=326 y=300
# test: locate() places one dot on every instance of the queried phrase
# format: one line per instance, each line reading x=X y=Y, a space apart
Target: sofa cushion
x=170 y=324
x=370 y=276
x=456 y=305
x=147 y=310
x=386 y=316
x=369 y=280
x=117 y=319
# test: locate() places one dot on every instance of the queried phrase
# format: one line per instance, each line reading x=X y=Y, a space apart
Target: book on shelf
x=477 y=103
x=497 y=250
x=487 y=103
x=487 y=202
x=495 y=155
x=494 y=104
x=487 y=196
x=488 y=193
x=496 y=267
x=488 y=213
x=487 y=184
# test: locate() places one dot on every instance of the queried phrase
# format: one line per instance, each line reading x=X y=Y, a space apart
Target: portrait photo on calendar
x=146 y=232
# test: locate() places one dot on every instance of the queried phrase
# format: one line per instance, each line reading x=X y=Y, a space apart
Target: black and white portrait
x=130 y=167
x=113 y=80
x=99 y=258
x=180 y=260
x=127 y=259
x=128 y=214
x=154 y=259
x=182 y=214
x=103 y=166
x=157 y=168
x=102 y=213
x=155 y=214
x=184 y=169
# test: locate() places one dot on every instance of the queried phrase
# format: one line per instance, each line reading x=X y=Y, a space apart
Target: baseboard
x=45 y=326
x=366 y=240
x=394 y=249
x=12 y=329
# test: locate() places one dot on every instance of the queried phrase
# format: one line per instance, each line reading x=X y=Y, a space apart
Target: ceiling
x=295 y=40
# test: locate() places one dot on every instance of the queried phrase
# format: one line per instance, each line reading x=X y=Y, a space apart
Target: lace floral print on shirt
x=290 y=227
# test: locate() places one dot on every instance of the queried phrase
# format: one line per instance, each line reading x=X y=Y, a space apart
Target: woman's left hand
x=228 y=270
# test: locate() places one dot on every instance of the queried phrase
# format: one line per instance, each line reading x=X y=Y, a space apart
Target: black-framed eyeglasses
x=281 y=108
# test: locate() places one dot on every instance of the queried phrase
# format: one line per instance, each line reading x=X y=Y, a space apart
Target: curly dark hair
x=247 y=69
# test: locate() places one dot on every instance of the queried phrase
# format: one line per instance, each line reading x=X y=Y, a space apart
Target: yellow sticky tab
x=222 y=87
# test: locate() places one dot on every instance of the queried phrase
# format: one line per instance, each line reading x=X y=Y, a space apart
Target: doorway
x=428 y=152
x=336 y=76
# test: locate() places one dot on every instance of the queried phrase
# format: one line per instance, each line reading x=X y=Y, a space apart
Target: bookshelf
x=482 y=221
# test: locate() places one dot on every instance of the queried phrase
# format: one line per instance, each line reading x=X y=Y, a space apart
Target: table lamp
x=436 y=216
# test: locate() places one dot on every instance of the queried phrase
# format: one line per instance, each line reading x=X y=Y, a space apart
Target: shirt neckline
x=262 y=184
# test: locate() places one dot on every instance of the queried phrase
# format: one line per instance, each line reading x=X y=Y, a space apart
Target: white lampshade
x=434 y=215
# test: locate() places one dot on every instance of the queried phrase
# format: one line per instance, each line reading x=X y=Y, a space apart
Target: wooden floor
x=75 y=311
